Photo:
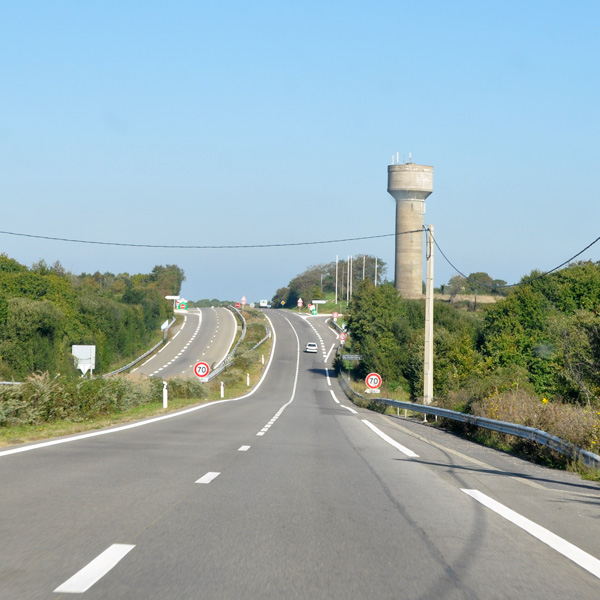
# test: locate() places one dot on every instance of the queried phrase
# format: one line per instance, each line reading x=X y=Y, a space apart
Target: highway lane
x=206 y=334
x=288 y=493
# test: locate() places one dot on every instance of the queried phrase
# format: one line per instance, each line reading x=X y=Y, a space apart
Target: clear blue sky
x=223 y=123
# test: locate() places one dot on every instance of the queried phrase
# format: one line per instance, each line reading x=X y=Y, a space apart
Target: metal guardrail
x=529 y=433
x=139 y=358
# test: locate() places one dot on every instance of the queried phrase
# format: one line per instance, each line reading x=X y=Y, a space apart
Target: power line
x=545 y=274
x=232 y=246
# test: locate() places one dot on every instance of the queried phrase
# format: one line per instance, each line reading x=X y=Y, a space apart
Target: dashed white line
x=83 y=580
x=354 y=412
x=243 y=448
x=390 y=441
x=577 y=555
x=208 y=477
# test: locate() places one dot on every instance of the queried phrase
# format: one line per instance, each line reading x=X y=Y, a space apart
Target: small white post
x=165 y=395
x=222 y=390
x=248 y=379
x=263 y=359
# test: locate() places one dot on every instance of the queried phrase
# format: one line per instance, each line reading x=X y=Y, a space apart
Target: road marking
x=208 y=477
x=327 y=375
x=165 y=346
x=331 y=392
x=91 y=573
x=243 y=448
x=354 y=412
x=577 y=555
x=278 y=414
x=390 y=441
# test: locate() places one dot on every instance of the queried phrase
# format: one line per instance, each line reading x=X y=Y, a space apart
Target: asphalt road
x=206 y=334
x=291 y=492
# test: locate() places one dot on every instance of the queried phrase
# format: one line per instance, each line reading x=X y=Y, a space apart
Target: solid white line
x=333 y=395
x=354 y=412
x=208 y=477
x=90 y=574
x=165 y=346
x=390 y=441
x=330 y=350
x=327 y=374
x=578 y=556
x=243 y=448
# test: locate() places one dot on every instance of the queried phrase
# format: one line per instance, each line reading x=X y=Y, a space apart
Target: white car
x=311 y=347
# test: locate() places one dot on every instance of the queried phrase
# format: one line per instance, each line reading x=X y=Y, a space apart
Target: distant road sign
x=342 y=336
x=237 y=304
x=201 y=369
x=300 y=302
x=319 y=301
x=182 y=306
x=351 y=356
x=243 y=300
x=335 y=315
x=373 y=381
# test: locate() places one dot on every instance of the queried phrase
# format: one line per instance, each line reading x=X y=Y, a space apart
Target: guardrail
x=139 y=358
x=529 y=433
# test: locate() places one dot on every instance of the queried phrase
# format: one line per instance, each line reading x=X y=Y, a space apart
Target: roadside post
x=165 y=395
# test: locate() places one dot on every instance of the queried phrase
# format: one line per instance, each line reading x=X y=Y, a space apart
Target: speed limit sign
x=342 y=336
x=201 y=369
x=373 y=381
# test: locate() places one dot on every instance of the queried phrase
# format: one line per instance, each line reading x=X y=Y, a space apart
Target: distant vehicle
x=311 y=347
x=263 y=304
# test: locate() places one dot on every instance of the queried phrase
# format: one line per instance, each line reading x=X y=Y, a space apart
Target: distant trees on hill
x=44 y=310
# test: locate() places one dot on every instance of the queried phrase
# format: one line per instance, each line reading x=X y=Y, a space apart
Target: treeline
x=319 y=280
x=44 y=310
x=513 y=360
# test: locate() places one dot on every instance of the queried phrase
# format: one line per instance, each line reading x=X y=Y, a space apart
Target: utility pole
x=336 y=277
x=375 y=271
x=428 y=364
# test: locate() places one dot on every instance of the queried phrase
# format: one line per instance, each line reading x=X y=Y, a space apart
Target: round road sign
x=373 y=380
x=243 y=300
x=201 y=369
x=300 y=303
x=237 y=304
x=342 y=336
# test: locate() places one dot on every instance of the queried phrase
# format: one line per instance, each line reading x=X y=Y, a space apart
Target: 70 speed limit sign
x=201 y=369
x=373 y=381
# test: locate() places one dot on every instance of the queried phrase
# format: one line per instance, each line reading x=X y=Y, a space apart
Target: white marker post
x=222 y=390
x=165 y=395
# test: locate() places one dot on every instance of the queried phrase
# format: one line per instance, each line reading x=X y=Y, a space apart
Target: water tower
x=409 y=184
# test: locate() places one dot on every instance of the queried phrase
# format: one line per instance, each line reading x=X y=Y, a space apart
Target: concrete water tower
x=409 y=184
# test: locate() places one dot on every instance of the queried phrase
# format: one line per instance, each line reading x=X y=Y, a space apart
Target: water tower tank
x=409 y=184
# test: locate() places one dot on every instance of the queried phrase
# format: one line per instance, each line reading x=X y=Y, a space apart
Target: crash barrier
x=139 y=358
x=529 y=433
